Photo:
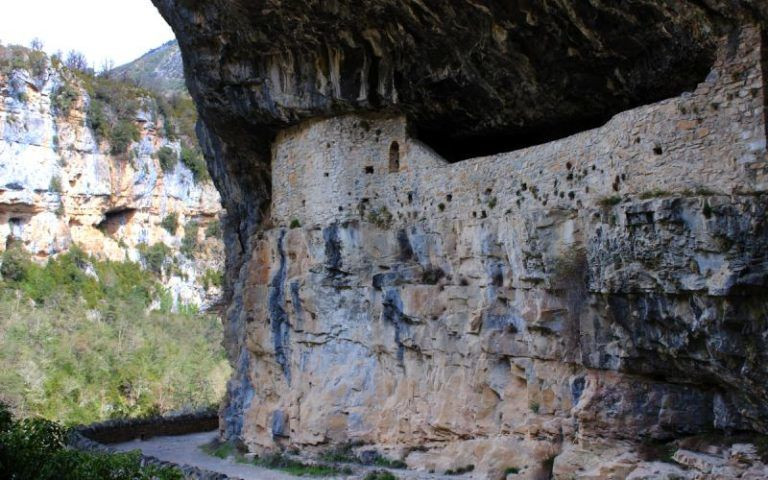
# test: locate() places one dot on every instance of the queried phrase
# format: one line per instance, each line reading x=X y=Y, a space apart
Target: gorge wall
x=552 y=311
x=63 y=185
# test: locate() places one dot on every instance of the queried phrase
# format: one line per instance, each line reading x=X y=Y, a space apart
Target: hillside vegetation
x=114 y=101
x=160 y=70
x=35 y=449
x=83 y=340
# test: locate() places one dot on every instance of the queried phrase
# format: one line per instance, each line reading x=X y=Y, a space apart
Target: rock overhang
x=473 y=77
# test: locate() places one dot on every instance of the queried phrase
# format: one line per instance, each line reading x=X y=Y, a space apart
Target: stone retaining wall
x=123 y=430
x=97 y=436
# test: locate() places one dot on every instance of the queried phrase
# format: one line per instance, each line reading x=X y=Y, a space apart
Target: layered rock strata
x=540 y=312
x=61 y=186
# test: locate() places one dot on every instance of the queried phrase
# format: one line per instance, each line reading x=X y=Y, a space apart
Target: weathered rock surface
x=549 y=310
x=59 y=186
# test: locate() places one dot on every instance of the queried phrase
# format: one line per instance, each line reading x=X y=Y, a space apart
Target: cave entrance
x=114 y=219
x=17 y=228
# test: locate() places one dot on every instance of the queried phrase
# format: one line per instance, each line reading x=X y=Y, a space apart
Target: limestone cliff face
x=60 y=185
x=544 y=312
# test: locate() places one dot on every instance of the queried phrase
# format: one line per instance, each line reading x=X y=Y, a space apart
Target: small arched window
x=394 y=157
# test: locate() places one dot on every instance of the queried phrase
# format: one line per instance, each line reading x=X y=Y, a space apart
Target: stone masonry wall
x=541 y=309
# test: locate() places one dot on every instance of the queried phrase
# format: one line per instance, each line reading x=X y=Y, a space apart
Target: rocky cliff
x=572 y=309
x=91 y=162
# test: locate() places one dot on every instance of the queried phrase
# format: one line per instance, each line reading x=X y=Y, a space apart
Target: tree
x=76 y=61
x=106 y=67
x=36 y=44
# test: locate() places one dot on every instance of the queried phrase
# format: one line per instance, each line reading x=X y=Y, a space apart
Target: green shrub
x=180 y=117
x=189 y=241
x=609 y=201
x=295 y=467
x=219 y=449
x=55 y=185
x=380 y=475
x=295 y=223
x=167 y=158
x=213 y=230
x=194 y=161
x=64 y=98
x=87 y=348
x=655 y=193
x=154 y=256
x=98 y=120
x=212 y=278
x=122 y=135
x=460 y=470
x=16 y=265
x=383 y=461
x=170 y=222
x=380 y=217
x=65 y=275
x=35 y=449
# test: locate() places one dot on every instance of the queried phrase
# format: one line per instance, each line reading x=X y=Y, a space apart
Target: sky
x=120 y=30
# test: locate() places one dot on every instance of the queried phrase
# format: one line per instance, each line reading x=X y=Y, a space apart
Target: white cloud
x=121 y=30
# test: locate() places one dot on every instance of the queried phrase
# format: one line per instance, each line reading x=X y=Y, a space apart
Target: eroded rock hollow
x=548 y=310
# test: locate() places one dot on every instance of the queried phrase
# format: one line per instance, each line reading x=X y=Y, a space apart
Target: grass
x=609 y=201
x=79 y=347
x=511 y=471
x=381 y=217
x=655 y=193
x=344 y=453
x=341 y=454
x=380 y=475
x=218 y=449
x=295 y=467
x=460 y=470
x=212 y=278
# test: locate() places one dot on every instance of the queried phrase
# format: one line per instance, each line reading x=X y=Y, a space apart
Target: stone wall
x=541 y=309
x=96 y=437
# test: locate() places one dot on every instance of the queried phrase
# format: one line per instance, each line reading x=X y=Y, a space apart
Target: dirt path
x=185 y=450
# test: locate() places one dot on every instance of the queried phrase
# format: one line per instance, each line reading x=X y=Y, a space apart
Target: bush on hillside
x=170 y=223
x=189 y=242
x=167 y=158
x=193 y=159
x=35 y=449
x=87 y=347
x=213 y=230
x=122 y=135
x=154 y=256
x=64 y=98
x=15 y=265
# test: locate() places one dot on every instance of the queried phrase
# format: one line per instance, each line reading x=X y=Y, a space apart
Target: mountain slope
x=160 y=70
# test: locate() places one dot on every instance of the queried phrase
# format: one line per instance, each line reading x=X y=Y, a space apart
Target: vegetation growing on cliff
x=79 y=342
x=116 y=107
